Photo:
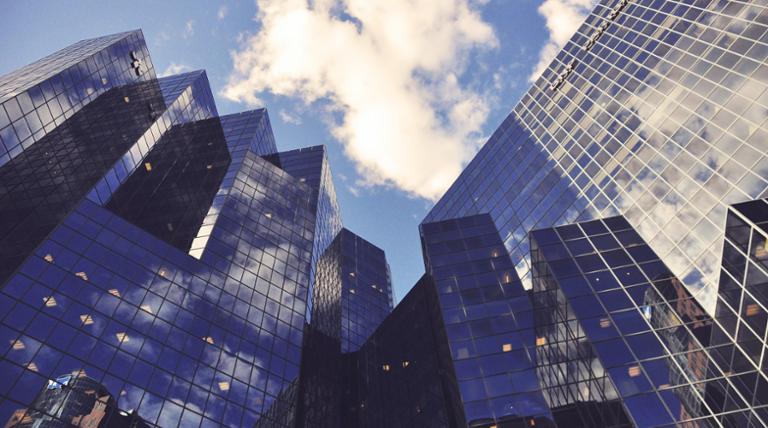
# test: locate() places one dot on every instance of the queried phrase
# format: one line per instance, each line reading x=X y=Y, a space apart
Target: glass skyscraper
x=601 y=262
x=654 y=110
x=156 y=258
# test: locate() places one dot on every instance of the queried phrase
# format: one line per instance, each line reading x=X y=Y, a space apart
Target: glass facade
x=353 y=290
x=488 y=320
x=615 y=326
x=164 y=266
x=152 y=256
x=310 y=165
x=655 y=110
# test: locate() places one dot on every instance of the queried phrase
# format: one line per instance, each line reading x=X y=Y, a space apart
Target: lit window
x=18 y=345
x=268 y=215
x=86 y=319
x=146 y=308
x=115 y=292
x=32 y=366
x=148 y=166
x=82 y=275
x=302 y=179
x=761 y=251
x=126 y=99
x=224 y=386
x=163 y=272
x=495 y=253
x=406 y=364
x=103 y=80
x=352 y=290
x=385 y=367
x=605 y=322
x=122 y=337
x=48 y=258
x=532 y=422
x=753 y=309
x=49 y=301
x=634 y=371
x=541 y=341
x=352 y=274
x=507 y=278
x=208 y=339
x=506 y=347
x=209 y=166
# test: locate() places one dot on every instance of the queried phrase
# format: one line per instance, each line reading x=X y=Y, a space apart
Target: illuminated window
x=49 y=301
x=352 y=290
x=352 y=274
x=224 y=386
x=18 y=345
x=506 y=347
x=126 y=99
x=115 y=292
x=634 y=371
x=32 y=366
x=268 y=215
x=385 y=367
x=208 y=339
x=541 y=341
x=148 y=166
x=753 y=309
x=122 y=337
x=86 y=319
x=406 y=364
x=48 y=258
x=605 y=322
x=147 y=308
x=302 y=179
x=495 y=253
x=163 y=272
x=82 y=275
x=761 y=251
x=103 y=80
x=209 y=166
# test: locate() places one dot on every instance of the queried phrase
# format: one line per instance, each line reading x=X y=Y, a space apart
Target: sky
x=402 y=92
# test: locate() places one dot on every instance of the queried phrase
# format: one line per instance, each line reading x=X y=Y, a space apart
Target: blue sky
x=402 y=96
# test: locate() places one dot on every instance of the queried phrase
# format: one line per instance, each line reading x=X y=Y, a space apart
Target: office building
x=652 y=110
x=150 y=245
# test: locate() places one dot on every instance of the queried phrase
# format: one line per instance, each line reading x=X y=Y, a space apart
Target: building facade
x=654 y=110
x=150 y=246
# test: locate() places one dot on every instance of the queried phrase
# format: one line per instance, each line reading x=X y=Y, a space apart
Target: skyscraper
x=151 y=246
x=601 y=261
x=652 y=110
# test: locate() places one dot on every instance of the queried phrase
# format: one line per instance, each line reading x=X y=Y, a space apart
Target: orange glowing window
x=753 y=309
x=634 y=371
x=506 y=347
x=541 y=341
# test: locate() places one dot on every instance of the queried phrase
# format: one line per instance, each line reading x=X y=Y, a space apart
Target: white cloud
x=390 y=75
x=287 y=117
x=563 y=18
x=222 y=13
x=189 y=29
x=175 y=69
